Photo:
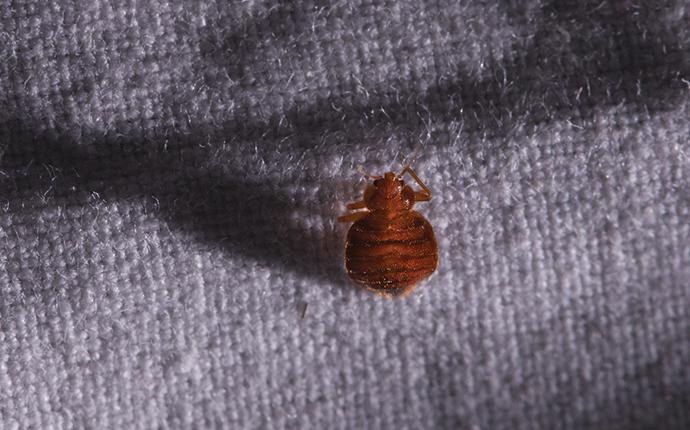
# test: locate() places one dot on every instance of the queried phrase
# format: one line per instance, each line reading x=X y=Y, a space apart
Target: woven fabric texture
x=171 y=172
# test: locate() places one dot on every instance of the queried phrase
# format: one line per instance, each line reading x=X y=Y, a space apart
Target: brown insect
x=390 y=248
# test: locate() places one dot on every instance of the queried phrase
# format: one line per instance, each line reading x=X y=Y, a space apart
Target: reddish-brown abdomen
x=391 y=256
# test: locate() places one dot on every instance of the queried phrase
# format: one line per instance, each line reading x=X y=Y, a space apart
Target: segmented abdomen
x=391 y=257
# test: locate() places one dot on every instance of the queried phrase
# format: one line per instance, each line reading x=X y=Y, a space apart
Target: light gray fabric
x=171 y=172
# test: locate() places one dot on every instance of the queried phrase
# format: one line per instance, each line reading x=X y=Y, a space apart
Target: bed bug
x=390 y=248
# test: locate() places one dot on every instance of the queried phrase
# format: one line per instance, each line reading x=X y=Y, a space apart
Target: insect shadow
x=215 y=203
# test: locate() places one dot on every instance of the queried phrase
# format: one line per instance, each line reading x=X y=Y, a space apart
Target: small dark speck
x=303 y=310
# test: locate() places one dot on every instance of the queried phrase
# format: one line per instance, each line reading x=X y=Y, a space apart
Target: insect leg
x=354 y=216
x=421 y=196
x=357 y=205
x=418 y=196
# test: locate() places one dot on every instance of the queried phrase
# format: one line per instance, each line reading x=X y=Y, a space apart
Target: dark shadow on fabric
x=217 y=206
x=629 y=410
x=244 y=47
x=600 y=55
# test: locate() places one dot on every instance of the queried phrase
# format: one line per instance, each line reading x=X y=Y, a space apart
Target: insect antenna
x=360 y=169
x=412 y=157
x=412 y=173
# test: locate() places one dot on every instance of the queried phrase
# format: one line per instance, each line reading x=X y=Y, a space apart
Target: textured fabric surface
x=171 y=172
